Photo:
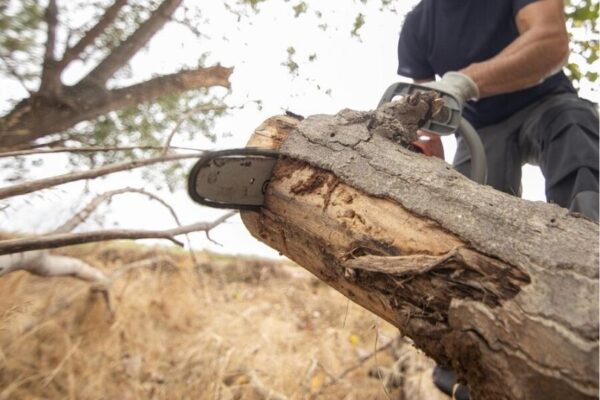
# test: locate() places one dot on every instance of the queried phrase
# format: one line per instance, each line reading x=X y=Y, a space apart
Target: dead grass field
x=240 y=329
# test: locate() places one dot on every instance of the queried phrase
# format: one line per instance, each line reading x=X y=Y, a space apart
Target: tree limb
x=128 y=48
x=38 y=184
x=25 y=124
x=68 y=239
x=155 y=88
x=50 y=78
x=91 y=35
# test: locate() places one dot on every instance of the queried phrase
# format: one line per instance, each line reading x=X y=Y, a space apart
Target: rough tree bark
x=502 y=289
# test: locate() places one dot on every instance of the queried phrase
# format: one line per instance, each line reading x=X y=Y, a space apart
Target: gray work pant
x=559 y=133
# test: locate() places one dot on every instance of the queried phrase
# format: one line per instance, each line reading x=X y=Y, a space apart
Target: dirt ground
x=227 y=328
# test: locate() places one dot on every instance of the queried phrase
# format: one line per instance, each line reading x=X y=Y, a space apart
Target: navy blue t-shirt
x=448 y=35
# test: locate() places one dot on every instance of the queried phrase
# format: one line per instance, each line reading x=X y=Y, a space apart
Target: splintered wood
x=455 y=266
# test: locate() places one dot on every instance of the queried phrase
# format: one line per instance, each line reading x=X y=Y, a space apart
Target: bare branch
x=83 y=214
x=50 y=78
x=128 y=48
x=91 y=35
x=86 y=149
x=38 y=184
x=68 y=239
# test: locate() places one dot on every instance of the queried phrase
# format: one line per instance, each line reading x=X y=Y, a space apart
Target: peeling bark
x=505 y=290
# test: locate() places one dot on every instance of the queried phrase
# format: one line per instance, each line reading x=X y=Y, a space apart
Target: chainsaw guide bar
x=235 y=178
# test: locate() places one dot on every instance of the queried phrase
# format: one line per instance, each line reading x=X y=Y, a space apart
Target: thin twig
x=86 y=149
x=385 y=390
x=346 y=314
x=354 y=367
x=35 y=185
x=186 y=115
x=207 y=234
x=68 y=239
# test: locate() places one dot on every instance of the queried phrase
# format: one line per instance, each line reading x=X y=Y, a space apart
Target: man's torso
x=448 y=35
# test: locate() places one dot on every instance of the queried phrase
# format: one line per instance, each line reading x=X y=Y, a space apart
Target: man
x=503 y=59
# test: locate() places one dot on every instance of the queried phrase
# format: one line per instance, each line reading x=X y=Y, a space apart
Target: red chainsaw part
x=429 y=144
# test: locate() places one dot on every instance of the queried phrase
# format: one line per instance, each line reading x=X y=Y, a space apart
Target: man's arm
x=540 y=51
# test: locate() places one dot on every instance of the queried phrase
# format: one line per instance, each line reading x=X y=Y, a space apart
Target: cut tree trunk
x=502 y=289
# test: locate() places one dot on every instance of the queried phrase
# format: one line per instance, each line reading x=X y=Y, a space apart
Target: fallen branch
x=42 y=263
x=66 y=301
x=68 y=239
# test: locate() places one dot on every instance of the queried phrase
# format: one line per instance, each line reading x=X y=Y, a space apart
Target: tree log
x=502 y=289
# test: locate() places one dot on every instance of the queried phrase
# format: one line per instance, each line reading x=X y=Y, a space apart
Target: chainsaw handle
x=459 y=125
x=478 y=158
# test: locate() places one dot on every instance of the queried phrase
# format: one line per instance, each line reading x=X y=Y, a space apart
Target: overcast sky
x=347 y=72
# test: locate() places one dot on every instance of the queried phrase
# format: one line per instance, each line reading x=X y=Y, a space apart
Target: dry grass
x=238 y=332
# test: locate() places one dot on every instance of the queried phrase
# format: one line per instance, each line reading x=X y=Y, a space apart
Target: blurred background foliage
x=582 y=23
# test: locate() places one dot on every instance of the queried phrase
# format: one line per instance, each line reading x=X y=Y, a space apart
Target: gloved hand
x=457 y=84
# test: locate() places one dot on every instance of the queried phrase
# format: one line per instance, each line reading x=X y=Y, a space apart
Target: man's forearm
x=531 y=58
x=540 y=51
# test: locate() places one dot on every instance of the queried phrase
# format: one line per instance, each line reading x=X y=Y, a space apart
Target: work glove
x=462 y=87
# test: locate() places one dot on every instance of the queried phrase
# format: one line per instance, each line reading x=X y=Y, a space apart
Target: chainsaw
x=238 y=178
